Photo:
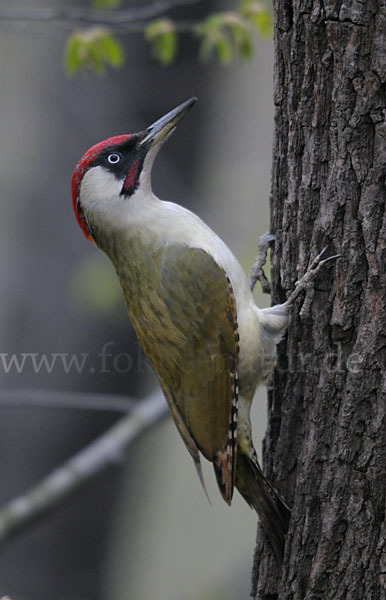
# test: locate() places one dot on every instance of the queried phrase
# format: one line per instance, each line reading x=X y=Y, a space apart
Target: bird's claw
x=256 y=273
x=306 y=282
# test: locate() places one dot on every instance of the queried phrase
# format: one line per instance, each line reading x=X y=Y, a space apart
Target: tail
x=274 y=514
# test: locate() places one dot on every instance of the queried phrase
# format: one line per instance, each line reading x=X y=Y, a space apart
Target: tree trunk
x=325 y=447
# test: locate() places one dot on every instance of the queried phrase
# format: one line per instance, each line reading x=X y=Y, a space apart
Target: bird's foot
x=256 y=273
x=306 y=283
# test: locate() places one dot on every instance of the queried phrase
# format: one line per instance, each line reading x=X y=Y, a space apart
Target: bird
x=192 y=309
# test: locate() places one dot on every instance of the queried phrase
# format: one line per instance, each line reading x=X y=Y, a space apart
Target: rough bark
x=326 y=442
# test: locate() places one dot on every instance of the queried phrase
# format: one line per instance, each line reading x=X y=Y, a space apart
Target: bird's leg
x=306 y=283
x=256 y=273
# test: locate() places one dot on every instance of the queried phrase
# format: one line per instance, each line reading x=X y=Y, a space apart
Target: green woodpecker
x=191 y=307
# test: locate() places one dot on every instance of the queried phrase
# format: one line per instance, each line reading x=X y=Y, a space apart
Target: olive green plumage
x=183 y=310
x=182 y=307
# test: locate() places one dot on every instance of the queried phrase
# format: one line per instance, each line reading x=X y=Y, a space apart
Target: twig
x=81 y=468
x=89 y=16
x=53 y=399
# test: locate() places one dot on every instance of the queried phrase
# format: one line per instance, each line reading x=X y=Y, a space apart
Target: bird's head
x=113 y=170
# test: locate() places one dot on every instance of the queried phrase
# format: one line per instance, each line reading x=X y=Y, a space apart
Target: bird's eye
x=114 y=158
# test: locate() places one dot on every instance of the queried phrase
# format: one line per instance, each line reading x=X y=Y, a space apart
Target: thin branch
x=87 y=16
x=52 y=399
x=81 y=468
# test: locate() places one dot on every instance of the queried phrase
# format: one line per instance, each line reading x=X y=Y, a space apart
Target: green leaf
x=241 y=35
x=263 y=23
x=213 y=39
x=226 y=35
x=167 y=47
x=110 y=50
x=224 y=50
x=94 y=57
x=92 y=49
x=162 y=35
x=258 y=15
x=73 y=54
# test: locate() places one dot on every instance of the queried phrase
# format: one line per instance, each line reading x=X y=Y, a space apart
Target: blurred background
x=142 y=529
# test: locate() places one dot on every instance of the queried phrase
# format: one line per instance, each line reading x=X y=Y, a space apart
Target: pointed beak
x=158 y=130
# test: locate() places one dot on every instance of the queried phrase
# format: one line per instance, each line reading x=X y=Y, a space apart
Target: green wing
x=184 y=312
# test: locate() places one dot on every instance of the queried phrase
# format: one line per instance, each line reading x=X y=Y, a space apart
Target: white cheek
x=99 y=188
x=99 y=194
